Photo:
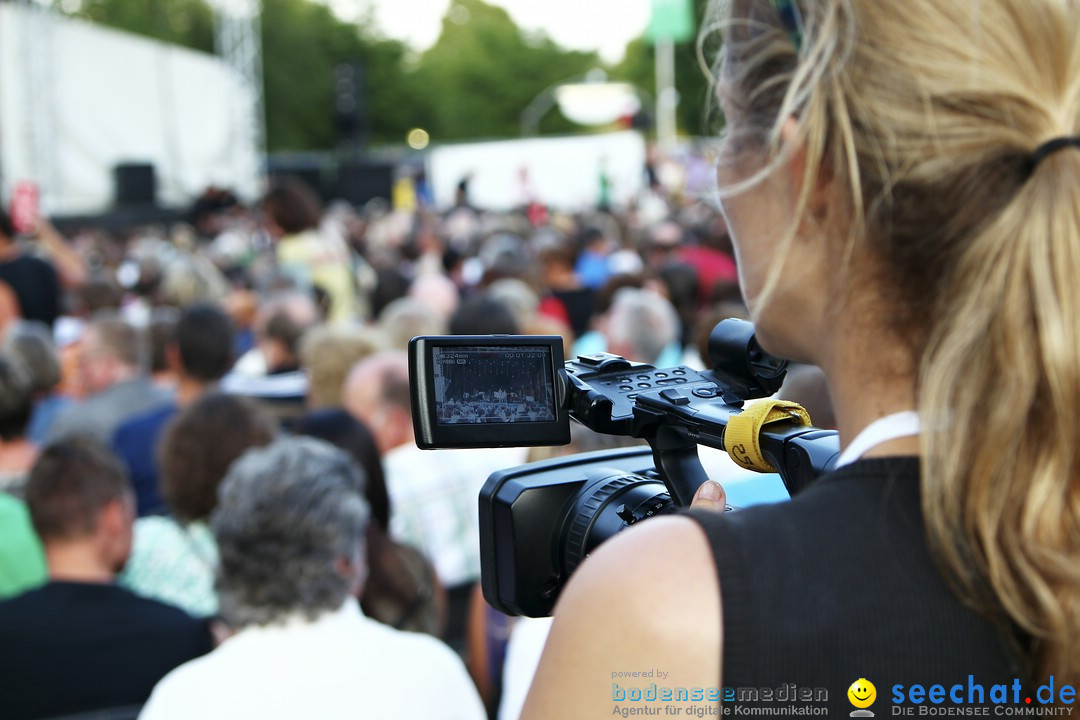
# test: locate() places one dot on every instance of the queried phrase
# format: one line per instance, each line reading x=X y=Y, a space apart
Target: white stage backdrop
x=118 y=98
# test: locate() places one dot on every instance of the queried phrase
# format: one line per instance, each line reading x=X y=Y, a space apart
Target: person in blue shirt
x=200 y=355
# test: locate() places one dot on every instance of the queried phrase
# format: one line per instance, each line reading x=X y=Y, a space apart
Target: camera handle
x=676 y=459
x=799 y=453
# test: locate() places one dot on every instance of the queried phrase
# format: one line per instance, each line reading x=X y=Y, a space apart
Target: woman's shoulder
x=648 y=599
x=662 y=561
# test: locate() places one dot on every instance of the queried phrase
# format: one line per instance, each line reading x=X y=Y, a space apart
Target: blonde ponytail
x=1001 y=383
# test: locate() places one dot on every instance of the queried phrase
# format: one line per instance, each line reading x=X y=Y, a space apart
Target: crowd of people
x=210 y=484
x=497 y=411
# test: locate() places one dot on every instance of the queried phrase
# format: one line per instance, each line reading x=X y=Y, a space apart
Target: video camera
x=539 y=521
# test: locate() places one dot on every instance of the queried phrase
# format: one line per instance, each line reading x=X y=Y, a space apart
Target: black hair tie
x=1049 y=147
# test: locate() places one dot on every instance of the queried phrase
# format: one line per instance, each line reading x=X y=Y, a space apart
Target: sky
x=602 y=25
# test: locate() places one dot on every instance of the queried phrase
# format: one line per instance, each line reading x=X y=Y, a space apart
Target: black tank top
x=838 y=586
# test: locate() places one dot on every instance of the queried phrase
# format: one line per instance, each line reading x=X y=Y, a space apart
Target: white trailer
x=560 y=172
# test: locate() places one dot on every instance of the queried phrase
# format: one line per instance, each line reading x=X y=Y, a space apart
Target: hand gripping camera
x=539 y=521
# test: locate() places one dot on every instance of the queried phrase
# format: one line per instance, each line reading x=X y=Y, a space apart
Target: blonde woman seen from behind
x=902 y=185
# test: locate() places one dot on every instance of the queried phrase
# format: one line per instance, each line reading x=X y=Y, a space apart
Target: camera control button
x=675 y=397
x=625 y=514
x=705 y=392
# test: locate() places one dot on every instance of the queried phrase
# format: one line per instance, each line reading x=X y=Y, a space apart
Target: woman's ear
x=794 y=147
x=818 y=200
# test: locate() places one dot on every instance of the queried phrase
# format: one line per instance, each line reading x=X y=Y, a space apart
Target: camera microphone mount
x=677 y=409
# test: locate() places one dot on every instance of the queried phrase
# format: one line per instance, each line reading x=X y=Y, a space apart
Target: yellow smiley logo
x=862 y=693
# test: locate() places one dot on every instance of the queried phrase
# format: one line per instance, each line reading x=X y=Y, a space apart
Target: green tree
x=484 y=71
x=475 y=82
x=182 y=22
x=303 y=42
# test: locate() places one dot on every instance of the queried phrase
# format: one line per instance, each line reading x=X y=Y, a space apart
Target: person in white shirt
x=290 y=526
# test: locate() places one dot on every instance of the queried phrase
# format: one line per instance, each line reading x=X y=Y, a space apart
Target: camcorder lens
x=609 y=502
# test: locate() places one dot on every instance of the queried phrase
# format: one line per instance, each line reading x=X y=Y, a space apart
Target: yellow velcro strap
x=742 y=437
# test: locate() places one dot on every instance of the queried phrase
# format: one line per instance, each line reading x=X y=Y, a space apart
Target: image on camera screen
x=493 y=385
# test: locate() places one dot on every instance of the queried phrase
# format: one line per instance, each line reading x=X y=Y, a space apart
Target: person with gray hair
x=32 y=342
x=111 y=374
x=640 y=325
x=17 y=453
x=407 y=317
x=290 y=524
x=518 y=297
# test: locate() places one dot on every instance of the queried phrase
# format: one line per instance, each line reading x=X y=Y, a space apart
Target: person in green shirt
x=22 y=562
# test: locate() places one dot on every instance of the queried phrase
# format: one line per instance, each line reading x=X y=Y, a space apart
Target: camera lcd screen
x=486 y=385
x=487 y=391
